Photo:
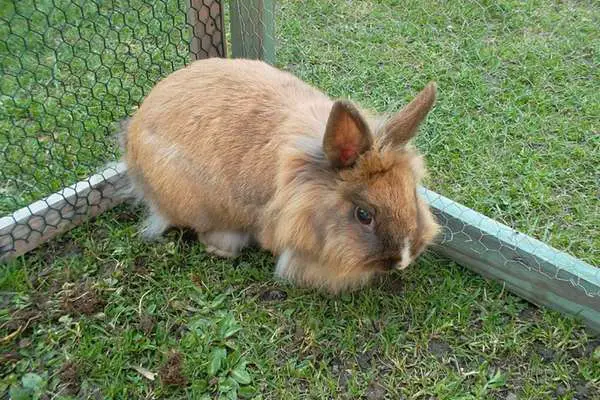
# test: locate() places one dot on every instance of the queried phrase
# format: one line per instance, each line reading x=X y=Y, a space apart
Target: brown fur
x=240 y=151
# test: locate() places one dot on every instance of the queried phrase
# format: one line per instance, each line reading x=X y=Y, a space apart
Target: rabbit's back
x=204 y=144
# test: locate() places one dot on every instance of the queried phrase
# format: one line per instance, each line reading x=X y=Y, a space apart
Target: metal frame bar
x=27 y=228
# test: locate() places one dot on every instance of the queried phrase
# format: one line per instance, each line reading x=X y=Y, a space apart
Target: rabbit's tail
x=125 y=186
x=122 y=134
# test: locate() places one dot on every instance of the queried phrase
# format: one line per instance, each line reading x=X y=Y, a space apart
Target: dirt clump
x=140 y=265
x=70 y=378
x=273 y=295
x=23 y=320
x=147 y=324
x=82 y=300
x=439 y=348
x=171 y=372
x=375 y=391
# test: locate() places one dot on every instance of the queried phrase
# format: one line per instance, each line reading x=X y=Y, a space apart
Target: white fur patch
x=154 y=226
x=405 y=255
x=226 y=243
x=282 y=269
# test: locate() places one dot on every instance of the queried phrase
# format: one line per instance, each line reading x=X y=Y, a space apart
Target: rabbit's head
x=347 y=207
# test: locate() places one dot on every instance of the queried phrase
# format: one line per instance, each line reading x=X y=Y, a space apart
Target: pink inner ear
x=347 y=153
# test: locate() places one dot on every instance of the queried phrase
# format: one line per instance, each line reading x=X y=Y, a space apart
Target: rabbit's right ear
x=403 y=126
x=347 y=135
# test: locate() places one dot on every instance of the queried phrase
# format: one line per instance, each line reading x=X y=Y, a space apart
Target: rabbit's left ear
x=404 y=125
x=347 y=135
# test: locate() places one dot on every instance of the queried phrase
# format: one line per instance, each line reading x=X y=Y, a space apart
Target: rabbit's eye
x=363 y=216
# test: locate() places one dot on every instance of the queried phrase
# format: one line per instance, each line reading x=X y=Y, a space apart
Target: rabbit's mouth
x=385 y=263
x=389 y=263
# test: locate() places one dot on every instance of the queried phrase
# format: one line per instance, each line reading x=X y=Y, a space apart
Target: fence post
x=208 y=30
x=252 y=29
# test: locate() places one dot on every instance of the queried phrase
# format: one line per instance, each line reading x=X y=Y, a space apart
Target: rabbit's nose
x=400 y=265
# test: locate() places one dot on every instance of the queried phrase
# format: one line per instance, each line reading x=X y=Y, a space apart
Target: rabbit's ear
x=404 y=125
x=347 y=135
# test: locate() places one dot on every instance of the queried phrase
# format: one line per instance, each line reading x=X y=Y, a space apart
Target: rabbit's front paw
x=225 y=244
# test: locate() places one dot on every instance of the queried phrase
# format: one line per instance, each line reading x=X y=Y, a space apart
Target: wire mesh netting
x=514 y=134
x=70 y=72
x=253 y=29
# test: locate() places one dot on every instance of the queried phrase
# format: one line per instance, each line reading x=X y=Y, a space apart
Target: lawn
x=515 y=135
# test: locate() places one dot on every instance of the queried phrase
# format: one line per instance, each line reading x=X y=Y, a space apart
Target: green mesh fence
x=70 y=71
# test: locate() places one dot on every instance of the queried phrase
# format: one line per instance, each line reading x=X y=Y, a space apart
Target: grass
x=99 y=302
x=100 y=314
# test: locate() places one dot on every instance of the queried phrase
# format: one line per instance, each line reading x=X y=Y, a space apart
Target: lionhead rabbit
x=242 y=152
